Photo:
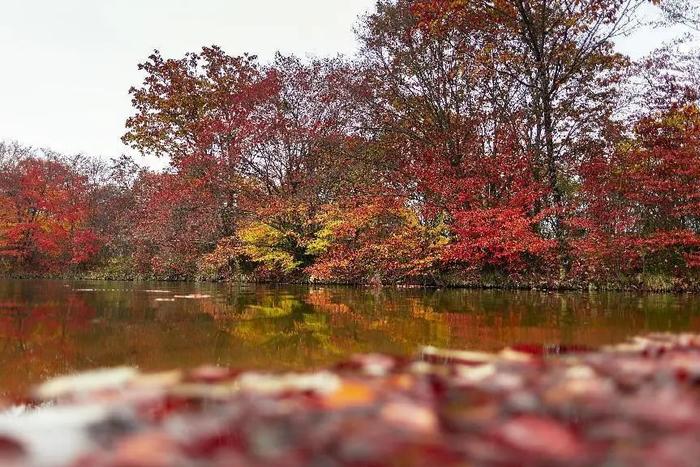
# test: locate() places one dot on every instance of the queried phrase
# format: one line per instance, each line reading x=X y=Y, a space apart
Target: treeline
x=468 y=142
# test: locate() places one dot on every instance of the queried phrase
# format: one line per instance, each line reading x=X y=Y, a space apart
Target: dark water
x=54 y=327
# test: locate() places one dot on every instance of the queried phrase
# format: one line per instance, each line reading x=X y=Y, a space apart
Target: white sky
x=67 y=65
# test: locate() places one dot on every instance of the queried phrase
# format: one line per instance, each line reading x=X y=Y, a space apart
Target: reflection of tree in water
x=38 y=338
x=283 y=325
x=317 y=326
x=323 y=324
x=46 y=328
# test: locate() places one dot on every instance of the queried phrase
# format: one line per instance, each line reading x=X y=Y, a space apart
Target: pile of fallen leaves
x=632 y=404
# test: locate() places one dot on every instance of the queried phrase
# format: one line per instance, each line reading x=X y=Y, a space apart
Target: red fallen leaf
x=209 y=374
x=686 y=366
x=677 y=451
x=10 y=448
x=540 y=437
x=668 y=409
x=531 y=349
x=410 y=416
x=160 y=409
x=205 y=445
x=145 y=450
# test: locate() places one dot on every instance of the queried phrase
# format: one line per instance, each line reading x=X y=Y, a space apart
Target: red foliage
x=467 y=137
x=175 y=222
x=378 y=239
x=495 y=219
x=644 y=202
x=45 y=209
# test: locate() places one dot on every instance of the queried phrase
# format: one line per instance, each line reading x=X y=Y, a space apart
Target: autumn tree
x=44 y=209
x=197 y=112
x=684 y=12
x=560 y=57
x=114 y=202
x=376 y=240
x=466 y=137
x=447 y=122
x=264 y=140
x=307 y=157
x=642 y=211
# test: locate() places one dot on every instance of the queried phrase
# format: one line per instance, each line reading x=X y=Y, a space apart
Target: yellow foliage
x=264 y=244
x=324 y=238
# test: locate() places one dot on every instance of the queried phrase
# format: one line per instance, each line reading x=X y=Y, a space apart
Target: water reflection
x=53 y=327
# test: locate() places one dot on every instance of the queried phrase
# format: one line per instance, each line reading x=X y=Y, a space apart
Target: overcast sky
x=67 y=65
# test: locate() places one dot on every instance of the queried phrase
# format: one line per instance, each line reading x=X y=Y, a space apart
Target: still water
x=57 y=327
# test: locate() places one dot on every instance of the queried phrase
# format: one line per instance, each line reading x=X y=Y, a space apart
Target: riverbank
x=631 y=404
x=640 y=283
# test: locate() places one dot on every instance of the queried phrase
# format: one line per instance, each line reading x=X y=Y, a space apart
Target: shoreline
x=689 y=286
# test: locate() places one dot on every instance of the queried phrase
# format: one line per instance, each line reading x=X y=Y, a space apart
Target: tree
x=174 y=223
x=269 y=143
x=559 y=55
x=644 y=210
x=113 y=202
x=44 y=214
x=440 y=115
x=680 y=12
x=200 y=112
x=375 y=240
x=303 y=159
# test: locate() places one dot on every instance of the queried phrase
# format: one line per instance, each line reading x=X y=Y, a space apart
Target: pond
x=56 y=327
